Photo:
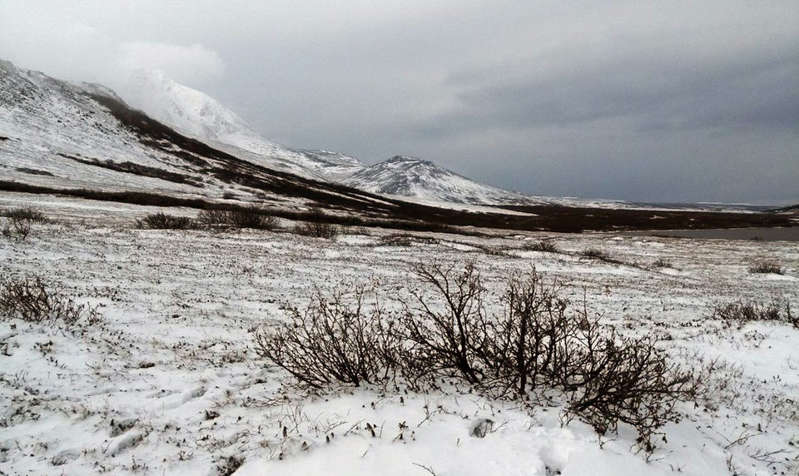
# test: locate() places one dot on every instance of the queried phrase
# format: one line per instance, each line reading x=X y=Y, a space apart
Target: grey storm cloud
x=648 y=101
x=655 y=98
x=757 y=92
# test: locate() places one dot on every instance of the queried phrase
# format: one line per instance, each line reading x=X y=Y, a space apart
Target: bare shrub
x=317 y=229
x=546 y=246
x=766 y=267
x=252 y=217
x=600 y=255
x=595 y=253
x=611 y=379
x=523 y=346
x=18 y=228
x=317 y=225
x=539 y=341
x=740 y=312
x=162 y=221
x=19 y=222
x=335 y=339
x=32 y=300
x=213 y=219
x=27 y=213
x=249 y=217
x=447 y=333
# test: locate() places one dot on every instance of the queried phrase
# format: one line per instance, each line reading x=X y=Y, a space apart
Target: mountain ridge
x=198 y=114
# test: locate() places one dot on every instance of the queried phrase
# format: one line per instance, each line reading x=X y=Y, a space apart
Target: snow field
x=169 y=383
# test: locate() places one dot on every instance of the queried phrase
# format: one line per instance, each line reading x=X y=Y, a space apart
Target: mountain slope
x=422 y=179
x=52 y=125
x=59 y=135
x=198 y=115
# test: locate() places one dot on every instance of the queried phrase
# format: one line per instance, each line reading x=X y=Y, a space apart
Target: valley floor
x=169 y=383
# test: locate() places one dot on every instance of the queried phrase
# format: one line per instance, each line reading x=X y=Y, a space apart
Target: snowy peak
x=413 y=177
x=198 y=115
x=189 y=110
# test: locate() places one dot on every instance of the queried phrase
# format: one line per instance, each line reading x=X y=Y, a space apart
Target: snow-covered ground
x=169 y=382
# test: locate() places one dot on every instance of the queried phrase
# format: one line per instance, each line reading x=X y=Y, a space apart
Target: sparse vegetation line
x=388 y=213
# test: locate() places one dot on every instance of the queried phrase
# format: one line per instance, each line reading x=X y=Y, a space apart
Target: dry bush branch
x=335 y=339
x=32 y=300
x=447 y=333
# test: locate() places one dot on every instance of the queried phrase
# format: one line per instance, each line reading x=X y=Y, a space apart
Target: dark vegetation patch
x=789 y=208
x=34 y=300
x=539 y=342
x=26 y=170
x=404 y=239
x=227 y=466
x=25 y=213
x=160 y=200
x=137 y=169
x=247 y=217
x=317 y=229
x=546 y=246
x=569 y=219
x=19 y=222
x=217 y=219
x=162 y=221
x=742 y=312
x=403 y=218
x=766 y=267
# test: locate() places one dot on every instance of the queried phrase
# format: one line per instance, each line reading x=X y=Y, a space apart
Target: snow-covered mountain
x=56 y=135
x=198 y=115
x=422 y=179
x=51 y=128
x=47 y=119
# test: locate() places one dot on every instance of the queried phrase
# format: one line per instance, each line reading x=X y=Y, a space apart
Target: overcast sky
x=649 y=101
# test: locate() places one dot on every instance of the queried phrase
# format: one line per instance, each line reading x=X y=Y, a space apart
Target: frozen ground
x=169 y=382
